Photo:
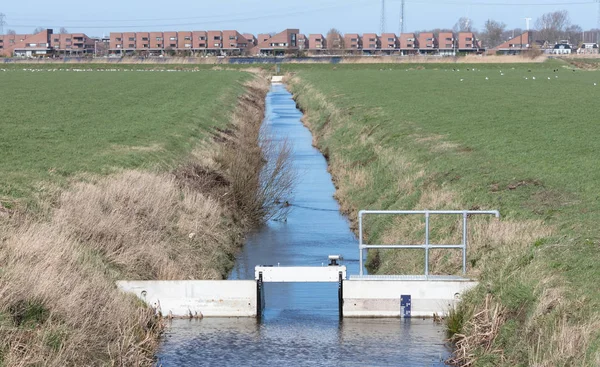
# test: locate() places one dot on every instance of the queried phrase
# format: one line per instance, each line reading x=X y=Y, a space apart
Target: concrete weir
x=196 y=298
x=362 y=296
x=402 y=296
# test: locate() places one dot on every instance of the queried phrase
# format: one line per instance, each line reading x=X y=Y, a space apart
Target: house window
x=468 y=39
x=371 y=39
x=202 y=38
x=131 y=39
x=173 y=45
x=410 y=40
x=187 y=38
x=11 y=41
x=469 y=45
x=353 y=40
x=144 y=38
x=391 y=39
x=409 y=45
x=372 y=45
x=217 y=38
x=118 y=46
x=131 y=45
x=202 y=45
x=448 y=39
x=448 y=45
x=188 y=45
x=172 y=38
x=118 y=39
x=318 y=40
x=56 y=40
x=232 y=45
x=159 y=38
x=158 y=45
x=31 y=45
x=217 y=45
x=145 y=45
x=232 y=38
x=429 y=39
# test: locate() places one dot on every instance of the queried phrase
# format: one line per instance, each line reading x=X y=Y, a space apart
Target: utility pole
x=382 y=16
x=402 y=17
x=598 y=24
x=2 y=23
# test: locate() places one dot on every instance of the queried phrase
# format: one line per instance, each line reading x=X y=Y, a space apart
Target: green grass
x=530 y=148
x=57 y=125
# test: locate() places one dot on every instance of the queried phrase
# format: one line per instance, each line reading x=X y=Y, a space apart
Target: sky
x=266 y=16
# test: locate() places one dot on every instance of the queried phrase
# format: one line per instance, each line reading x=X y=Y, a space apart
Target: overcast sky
x=264 y=16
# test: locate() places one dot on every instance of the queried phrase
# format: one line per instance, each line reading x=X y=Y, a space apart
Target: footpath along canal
x=300 y=325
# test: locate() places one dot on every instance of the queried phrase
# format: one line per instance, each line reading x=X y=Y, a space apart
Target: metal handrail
x=427 y=246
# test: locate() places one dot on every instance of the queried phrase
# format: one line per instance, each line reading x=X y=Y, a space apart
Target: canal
x=300 y=325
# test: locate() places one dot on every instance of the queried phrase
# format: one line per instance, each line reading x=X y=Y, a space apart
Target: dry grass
x=483 y=328
x=58 y=301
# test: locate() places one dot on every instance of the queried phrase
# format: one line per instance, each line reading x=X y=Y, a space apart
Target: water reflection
x=301 y=326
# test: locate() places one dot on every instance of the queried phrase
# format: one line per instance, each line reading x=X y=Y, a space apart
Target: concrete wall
x=212 y=298
x=379 y=298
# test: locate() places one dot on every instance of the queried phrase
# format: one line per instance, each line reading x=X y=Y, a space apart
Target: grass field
x=115 y=175
x=57 y=125
x=428 y=137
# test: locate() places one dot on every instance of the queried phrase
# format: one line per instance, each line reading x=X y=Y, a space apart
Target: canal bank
x=300 y=324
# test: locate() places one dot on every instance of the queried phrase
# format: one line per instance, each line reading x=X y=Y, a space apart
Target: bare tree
x=551 y=26
x=334 y=40
x=11 y=31
x=574 y=34
x=511 y=33
x=464 y=24
x=63 y=30
x=493 y=33
x=38 y=30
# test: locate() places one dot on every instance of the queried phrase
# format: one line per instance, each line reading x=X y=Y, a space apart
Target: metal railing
x=426 y=246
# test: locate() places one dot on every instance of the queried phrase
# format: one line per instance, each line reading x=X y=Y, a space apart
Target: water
x=300 y=325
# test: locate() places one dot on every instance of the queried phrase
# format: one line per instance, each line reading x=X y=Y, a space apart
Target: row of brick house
x=231 y=42
x=290 y=41
x=45 y=43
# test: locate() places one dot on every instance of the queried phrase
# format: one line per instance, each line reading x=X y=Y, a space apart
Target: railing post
x=360 y=243
x=427 y=243
x=464 y=243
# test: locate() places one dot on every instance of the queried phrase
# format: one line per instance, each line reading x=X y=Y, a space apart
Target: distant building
x=428 y=44
x=588 y=48
x=371 y=43
x=516 y=45
x=316 y=43
x=389 y=43
x=409 y=45
x=446 y=44
x=562 y=49
x=352 y=42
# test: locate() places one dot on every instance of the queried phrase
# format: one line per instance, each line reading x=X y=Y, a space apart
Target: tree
x=574 y=34
x=551 y=26
x=334 y=40
x=464 y=24
x=493 y=32
x=38 y=30
x=511 y=33
x=63 y=30
x=11 y=31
